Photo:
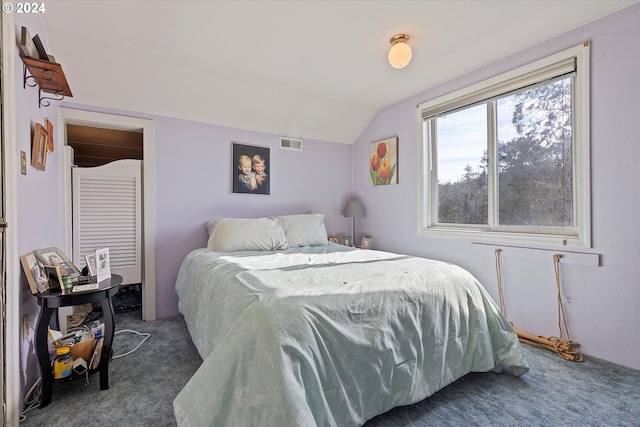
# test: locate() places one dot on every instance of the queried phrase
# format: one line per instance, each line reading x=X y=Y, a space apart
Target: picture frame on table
x=54 y=256
x=347 y=240
x=103 y=264
x=334 y=239
x=54 y=273
x=39 y=147
x=34 y=273
x=92 y=267
x=367 y=242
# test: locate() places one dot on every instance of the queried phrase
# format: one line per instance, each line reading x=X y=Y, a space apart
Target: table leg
x=109 y=326
x=42 y=349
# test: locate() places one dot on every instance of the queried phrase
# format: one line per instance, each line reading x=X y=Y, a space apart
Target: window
x=508 y=158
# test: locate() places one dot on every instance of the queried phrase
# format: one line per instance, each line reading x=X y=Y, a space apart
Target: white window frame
x=580 y=234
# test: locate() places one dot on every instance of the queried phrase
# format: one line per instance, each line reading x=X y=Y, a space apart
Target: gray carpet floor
x=554 y=393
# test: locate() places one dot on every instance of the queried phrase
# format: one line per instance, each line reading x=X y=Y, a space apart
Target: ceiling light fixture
x=400 y=52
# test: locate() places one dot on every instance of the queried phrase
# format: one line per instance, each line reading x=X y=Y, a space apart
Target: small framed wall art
x=39 y=147
x=49 y=128
x=250 y=169
x=383 y=159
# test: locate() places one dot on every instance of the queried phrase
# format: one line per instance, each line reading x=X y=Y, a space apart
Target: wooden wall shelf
x=49 y=78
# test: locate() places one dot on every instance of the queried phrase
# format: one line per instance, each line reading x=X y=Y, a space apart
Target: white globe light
x=400 y=52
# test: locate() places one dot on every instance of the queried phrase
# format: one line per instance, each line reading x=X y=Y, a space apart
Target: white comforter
x=328 y=336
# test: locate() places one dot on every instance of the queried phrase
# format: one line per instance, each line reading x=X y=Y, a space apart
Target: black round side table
x=50 y=302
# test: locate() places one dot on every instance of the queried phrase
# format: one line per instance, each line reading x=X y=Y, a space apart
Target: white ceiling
x=313 y=69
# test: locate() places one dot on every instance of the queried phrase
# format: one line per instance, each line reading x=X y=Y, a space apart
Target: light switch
x=23 y=162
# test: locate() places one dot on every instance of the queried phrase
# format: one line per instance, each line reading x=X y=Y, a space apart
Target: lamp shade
x=354 y=209
x=400 y=53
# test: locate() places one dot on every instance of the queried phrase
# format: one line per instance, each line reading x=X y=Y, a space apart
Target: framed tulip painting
x=383 y=156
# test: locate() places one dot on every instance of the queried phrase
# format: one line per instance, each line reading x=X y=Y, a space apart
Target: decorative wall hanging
x=565 y=348
x=44 y=72
x=39 y=147
x=383 y=156
x=250 y=169
x=49 y=127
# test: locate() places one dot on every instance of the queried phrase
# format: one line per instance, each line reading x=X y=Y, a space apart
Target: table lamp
x=354 y=209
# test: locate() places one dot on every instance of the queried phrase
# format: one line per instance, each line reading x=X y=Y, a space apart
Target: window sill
x=504 y=237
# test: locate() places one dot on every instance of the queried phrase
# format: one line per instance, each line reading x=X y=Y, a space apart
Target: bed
x=295 y=331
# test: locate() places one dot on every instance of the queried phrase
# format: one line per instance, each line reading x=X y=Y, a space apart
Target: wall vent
x=290 y=143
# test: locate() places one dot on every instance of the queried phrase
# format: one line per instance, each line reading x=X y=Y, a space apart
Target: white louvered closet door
x=107 y=214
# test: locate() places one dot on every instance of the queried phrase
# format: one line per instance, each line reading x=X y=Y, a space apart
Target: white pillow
x=209 y=225
x=246 y=234
x=304 y=229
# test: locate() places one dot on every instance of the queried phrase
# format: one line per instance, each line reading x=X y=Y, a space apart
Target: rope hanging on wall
x=565 y=348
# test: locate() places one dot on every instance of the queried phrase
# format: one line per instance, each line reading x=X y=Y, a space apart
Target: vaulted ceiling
x=312 y=69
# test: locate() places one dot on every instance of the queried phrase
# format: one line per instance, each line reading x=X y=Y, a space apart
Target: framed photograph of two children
x=250 y=169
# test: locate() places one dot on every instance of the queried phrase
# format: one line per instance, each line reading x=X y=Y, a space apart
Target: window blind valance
x=553 y=71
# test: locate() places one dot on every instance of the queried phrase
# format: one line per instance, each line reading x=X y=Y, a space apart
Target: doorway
x=107 y=190
x=67 y=116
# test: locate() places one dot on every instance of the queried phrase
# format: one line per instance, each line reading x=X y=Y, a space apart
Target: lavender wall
x=193 y=185
x=601 y=302
x=39 y=211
